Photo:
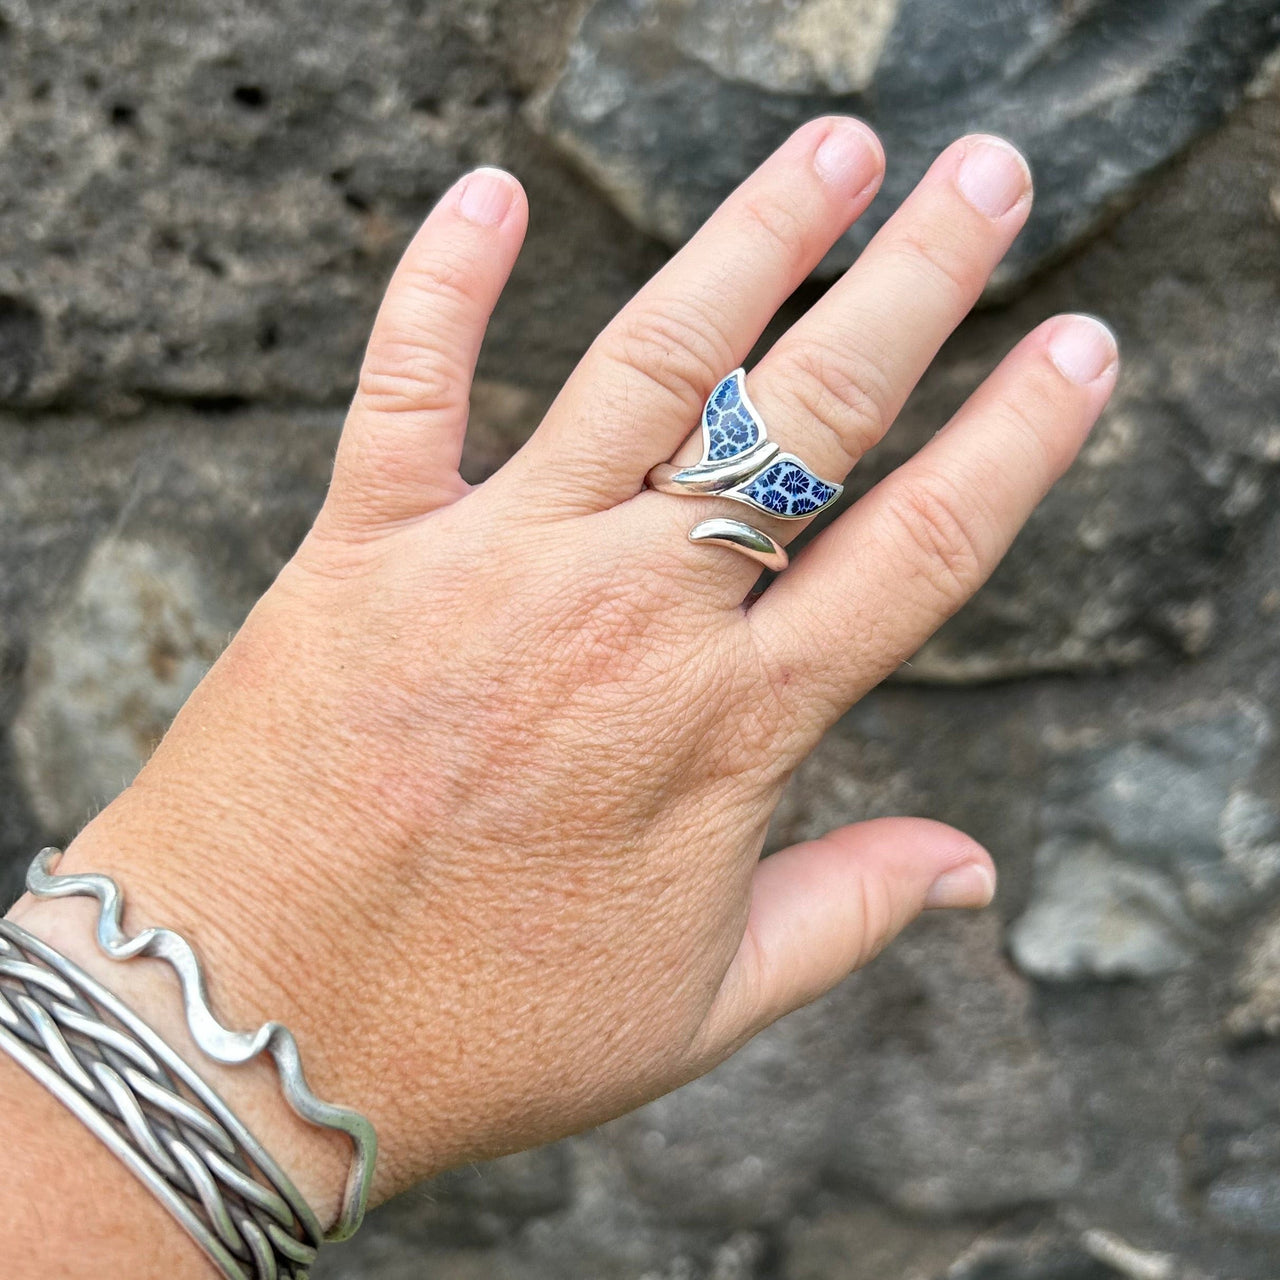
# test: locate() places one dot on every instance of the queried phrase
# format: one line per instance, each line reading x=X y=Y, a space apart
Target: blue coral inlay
x=731 y=429
x=788 y=490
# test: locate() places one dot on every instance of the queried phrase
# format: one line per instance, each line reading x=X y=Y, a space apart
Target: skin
x=475 y=799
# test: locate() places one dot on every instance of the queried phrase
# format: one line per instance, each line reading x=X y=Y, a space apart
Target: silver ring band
x=737 y=535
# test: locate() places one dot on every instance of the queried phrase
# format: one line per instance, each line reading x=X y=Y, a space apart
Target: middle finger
x=832 y=385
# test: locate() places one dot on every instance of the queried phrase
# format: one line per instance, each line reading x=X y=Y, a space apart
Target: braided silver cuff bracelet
x=139 y=1098
x=228 y=1047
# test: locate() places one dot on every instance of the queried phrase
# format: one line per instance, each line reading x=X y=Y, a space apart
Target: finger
x=400 y=449
x=822 y=909
x=834 y=382
x=642 y=384
x=869 y=590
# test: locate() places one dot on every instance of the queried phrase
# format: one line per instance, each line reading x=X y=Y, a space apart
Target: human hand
x=474 y=800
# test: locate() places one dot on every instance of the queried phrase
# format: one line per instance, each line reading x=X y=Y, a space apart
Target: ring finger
x=834 y=382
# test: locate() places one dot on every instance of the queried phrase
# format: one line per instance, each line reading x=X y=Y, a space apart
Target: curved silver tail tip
x=753 y=543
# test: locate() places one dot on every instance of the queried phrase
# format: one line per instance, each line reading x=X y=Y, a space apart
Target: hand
x=475 y=799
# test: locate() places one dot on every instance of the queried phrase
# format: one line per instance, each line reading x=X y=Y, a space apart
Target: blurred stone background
x=199 y=205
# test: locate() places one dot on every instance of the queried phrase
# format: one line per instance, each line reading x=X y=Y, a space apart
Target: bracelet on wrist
x=47 y=1048
x=173 y=1132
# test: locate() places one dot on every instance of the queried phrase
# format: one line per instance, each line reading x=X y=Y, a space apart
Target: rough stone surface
x=1058 y=1251
x=1257 y=985
x=865 y=1241
x=665 y=103
x=199 y=208
x=205 y=203
x=1094 y=916
x=137 y=635
x=1153 y=842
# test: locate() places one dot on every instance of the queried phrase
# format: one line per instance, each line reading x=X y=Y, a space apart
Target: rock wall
x=198 y=208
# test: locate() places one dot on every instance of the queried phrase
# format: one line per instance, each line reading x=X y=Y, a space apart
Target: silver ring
x=741 y=463
x=737 y=535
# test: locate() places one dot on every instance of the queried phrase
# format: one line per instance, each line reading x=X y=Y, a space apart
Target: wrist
x=317 y=1159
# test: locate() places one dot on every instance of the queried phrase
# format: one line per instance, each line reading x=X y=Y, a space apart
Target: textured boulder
x=1154 y=841
x=204 y=203
x=1257 y=985
x=867 y=1242
x=1233 y=1147
x=135 y=638
x=1096 y=916
x=668 y=104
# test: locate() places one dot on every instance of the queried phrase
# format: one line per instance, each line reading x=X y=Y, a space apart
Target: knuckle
x=935 y=256
x=406 y=366
x=1020 y=422
x=844 y=393
x=877 y=917
x=1032 y=417
x=400 y=376
x=677 y=347
x=935 y=532
x=781 y=226
x=444 y=276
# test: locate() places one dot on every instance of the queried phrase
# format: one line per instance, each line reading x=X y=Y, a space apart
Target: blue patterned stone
x=731 y=429
x=786 y=489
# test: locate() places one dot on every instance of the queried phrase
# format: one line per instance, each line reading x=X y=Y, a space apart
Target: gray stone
x=139 y=632
x=668 y=104
x=868 y=1242
x=1154 y=841
x=204 y=204
x=923 y=1079
x=1233 y=1147
x=134 y=554
x=743 y=1146
x=1057 y=1251
x=815 y=46
x=1094 y=916
x=950 y=1101
x=1257 y=984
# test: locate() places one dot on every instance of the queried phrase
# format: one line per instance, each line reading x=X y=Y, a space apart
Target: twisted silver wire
x=220 y=1043
x=153 y=1112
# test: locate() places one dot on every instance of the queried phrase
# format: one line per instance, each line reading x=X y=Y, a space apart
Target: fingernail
x=993 y=177
x=486 y=196
x=1083 y=349
x=972 y=885
x=847 y=156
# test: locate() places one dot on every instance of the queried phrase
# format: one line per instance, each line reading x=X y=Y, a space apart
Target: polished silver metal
x=740 y=536
x=706 y=479
x=138 y=1097
x=229 y=1047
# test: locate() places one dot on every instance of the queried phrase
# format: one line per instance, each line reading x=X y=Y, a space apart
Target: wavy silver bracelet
x=175 y=1134
x=228 y=1047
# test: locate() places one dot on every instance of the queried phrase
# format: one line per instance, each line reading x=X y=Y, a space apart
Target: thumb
x=821 y=909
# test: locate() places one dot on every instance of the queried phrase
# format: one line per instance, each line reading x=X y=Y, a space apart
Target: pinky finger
x=876 y=584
